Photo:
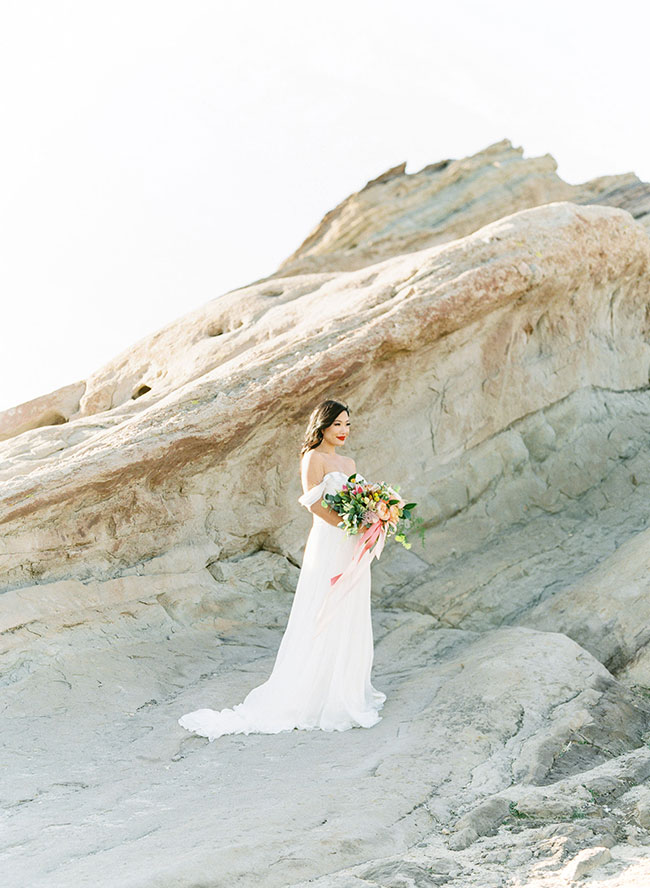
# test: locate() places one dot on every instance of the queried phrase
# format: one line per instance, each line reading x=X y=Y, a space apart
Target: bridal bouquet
x=374 y=507
x=375 y=512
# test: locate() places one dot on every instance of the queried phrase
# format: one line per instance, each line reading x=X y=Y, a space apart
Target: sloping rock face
x=151 y=545
x=393 y=214
x=47 y=410
x=398 y=212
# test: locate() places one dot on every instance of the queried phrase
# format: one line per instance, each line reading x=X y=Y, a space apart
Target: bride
x=320 y=680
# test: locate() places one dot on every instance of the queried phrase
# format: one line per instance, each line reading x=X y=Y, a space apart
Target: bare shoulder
x=352 y=466
x=311 y=468
x=311 y=460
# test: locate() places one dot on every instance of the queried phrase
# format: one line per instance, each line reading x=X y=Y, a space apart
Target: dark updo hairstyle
x=321 y=417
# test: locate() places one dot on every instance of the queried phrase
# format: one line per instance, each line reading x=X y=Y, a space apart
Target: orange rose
x=394 y=512
x=382 y=510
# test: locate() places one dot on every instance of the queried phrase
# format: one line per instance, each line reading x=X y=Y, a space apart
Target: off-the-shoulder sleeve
x=313 y=494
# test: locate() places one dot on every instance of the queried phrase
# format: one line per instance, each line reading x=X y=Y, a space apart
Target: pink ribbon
x=342 y=583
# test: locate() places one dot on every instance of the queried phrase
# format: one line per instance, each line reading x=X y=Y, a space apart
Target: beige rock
x=464 y=721
x=46 y=410
x=607 y=610
x=151 y=543
x=442 y=334
x=393 y=214
x=586 y=862
x=399 y=212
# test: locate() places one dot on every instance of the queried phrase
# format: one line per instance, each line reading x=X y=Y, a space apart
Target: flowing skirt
x=320 y=682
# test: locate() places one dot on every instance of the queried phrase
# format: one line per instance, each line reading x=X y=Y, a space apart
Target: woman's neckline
x=341 y=472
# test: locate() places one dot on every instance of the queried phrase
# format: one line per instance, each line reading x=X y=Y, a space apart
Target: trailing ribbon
x=373 y=536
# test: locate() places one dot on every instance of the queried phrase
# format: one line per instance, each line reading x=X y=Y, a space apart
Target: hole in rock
x=141 y=391
x=52 y=417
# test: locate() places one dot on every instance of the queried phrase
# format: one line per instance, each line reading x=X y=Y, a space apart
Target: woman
x=319 y=680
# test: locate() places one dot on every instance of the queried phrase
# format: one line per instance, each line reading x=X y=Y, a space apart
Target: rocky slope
x=398 y=212
x=490 y=327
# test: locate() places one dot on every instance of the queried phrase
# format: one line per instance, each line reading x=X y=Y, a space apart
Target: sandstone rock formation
x=398 y=212
x=490 y=327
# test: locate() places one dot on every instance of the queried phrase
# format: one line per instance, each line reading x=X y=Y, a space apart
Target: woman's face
x=337 y=433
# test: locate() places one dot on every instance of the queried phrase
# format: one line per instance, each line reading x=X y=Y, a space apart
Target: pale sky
x=158 y=153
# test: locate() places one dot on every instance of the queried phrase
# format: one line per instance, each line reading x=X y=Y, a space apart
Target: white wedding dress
x=318 y=682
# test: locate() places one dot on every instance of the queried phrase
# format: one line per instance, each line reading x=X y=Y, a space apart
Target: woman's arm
x=313 y=472
x=326 y=514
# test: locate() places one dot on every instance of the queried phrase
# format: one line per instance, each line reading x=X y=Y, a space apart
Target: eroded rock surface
x=496 y=357
x=398 y=212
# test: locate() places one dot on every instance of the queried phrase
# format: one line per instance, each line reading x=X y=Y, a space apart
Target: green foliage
x=515 y=812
